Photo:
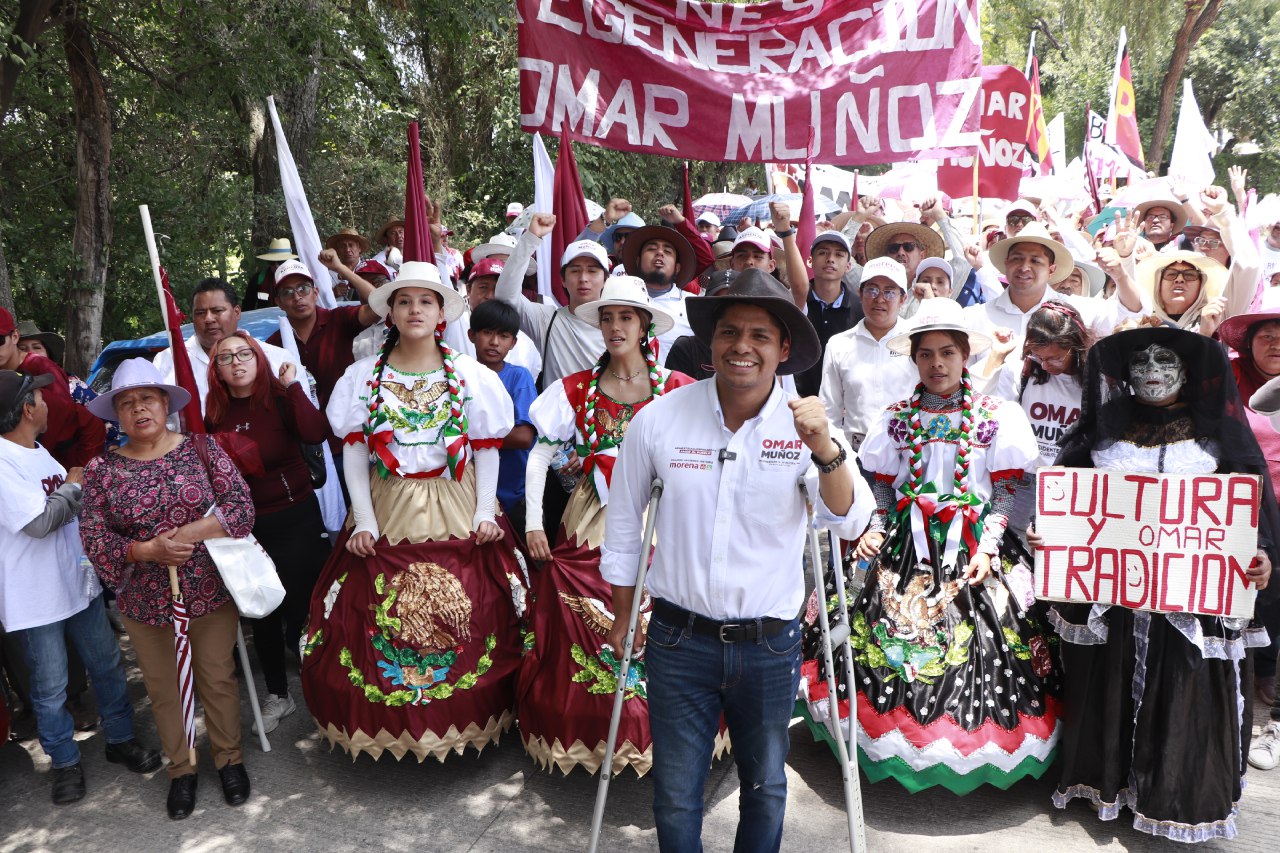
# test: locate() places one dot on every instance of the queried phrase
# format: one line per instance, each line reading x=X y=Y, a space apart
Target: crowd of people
x=911 y=368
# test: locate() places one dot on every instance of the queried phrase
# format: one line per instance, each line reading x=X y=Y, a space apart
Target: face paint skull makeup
x=1156 y=373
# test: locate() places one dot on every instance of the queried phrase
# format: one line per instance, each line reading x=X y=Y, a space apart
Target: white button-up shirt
x=730 y=534
x=673 y=303
x=1100 y=316
x=861 y=376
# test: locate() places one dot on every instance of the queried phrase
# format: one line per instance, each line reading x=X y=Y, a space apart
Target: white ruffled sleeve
x=490 y=413
x=879 y=453
x=552 y=415
x=348 y=408
x=1013 y=448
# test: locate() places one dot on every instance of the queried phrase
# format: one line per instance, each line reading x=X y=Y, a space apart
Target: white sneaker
x=1264 y=752
x=276 y=707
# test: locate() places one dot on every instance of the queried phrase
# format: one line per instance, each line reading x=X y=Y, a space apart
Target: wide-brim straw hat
x=1093 y=275
x=755 y=287
x=938 y=315
x=136 y=373
x=1235 y=331
x=1034 y=232
x=418 y=274
x=1177 y=213
x=347 y=234
x=279 y=249
x=685 y=256
x=381 y=236
x=56 y=346
x=1212 y=284
x=927 y=237
x=627 y=291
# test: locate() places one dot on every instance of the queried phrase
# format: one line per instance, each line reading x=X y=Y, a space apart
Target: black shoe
x=235 y=784
x=182 y=796
x=133 y=755
x=68 y=784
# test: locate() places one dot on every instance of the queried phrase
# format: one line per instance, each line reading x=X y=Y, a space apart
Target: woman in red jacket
x=262 y=420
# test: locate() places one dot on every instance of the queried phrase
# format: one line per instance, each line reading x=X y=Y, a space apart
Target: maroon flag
x=688 y=196
x=807 y=225
x=417 y=222
x=570 y=207
x=184 y=374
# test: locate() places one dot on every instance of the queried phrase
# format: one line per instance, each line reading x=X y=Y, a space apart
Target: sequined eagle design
x=915 y=614
x=431 y=602
x=594 y=614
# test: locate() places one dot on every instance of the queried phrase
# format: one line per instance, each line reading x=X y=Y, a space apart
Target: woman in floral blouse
x=144 y=509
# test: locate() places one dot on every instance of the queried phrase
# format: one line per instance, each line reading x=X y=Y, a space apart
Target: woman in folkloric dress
x=955 y=681
x=1155 y=716
x=412 y=643
x=568 y=673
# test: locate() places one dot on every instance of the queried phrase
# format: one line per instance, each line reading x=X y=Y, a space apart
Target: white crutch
x=642 y=568
x=846 y=749
x=253 y=690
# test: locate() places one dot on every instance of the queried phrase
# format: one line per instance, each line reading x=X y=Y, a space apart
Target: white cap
x=885 y=267
x=293 y=267
x=709 y=218
x=754 y=237
x=514 y=209
x=1022 y=206
x=585 y=249
x=831 y=236
x=933 y=264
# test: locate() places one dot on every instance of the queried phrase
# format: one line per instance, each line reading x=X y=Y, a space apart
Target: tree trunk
x=6 y=291
x=1199 y=16
x=91 y=240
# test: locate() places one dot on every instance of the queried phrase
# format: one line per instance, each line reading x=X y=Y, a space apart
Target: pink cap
x=486 y=266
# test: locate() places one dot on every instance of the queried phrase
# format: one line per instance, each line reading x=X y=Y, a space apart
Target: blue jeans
x=45 y=649
x=693 y=679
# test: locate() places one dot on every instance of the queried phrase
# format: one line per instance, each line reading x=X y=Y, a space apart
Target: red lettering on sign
x=1166 y=515
x=1042 y=481
x=1075 y=493
x=1142 y=482
x=1078 y=560
x=1164 y=581
x=1200 y=500
x=1248 y=500
x=1130 y=557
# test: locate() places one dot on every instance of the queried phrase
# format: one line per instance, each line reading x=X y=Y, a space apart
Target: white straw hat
x=939 y=315
x=627 y=291
x=418 y=274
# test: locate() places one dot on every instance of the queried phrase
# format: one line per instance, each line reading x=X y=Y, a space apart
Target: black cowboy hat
x=685 y=257
x=755 y=287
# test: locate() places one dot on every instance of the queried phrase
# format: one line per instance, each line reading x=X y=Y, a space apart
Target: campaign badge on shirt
x=692 y=459
x=780 y=452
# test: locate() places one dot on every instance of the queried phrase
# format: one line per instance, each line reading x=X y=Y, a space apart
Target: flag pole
x=150 y=237
x=977 y=156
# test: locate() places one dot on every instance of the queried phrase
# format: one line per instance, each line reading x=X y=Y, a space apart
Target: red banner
x=872 y=81
x=1006 y=108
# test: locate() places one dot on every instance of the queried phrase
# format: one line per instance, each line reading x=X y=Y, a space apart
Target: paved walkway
x=307 y=797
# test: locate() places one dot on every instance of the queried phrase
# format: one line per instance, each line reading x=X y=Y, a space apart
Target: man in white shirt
x=215 y=313
x=666 y=262
x=1031 y=262
x=860 y=375
x=726 y=577
x=568 y=343
x=49 y=594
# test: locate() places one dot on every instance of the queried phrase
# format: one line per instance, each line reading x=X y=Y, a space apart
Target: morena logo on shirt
x=787 y=449
x=51 y=484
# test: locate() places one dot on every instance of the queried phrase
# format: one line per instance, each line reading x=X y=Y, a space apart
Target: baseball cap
x=884 y=267
x=585 y=248
x=486 y=266
x=289 y=268
x=709 y=218
x=14 y=384
x=831 y=237
x=754 y=237
x=6 y=322
x=933 y=264
x=1022 y=206
x=514 y=209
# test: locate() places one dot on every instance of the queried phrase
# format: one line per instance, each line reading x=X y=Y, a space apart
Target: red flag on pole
x=1122 y=118
x=806 y=226
x=1037 y=131
x=184 y=374
x=417 y=222
x=688 y=196
x=570 y=207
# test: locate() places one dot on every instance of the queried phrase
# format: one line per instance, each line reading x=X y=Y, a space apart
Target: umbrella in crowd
x=759 y=208
x=719 y=203
x=182 y=648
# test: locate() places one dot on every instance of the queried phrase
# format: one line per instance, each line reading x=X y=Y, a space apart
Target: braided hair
x=657 y=384
x=390 y=338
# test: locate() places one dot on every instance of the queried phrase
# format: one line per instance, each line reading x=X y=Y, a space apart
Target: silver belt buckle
x=724 y=626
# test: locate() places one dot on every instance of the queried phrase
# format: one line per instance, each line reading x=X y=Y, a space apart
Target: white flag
x=544 y=178
x=306 y=240
x=1057 y=141
x=1193 y=144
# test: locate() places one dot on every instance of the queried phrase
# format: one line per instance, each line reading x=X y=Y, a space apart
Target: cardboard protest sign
x=1006 y=109
x=1165 y=542
x=848 y=81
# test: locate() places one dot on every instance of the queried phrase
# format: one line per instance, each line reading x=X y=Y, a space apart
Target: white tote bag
x=249 y=574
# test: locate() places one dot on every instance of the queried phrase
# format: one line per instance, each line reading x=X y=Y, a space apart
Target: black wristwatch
x=782 y=235
x=828 y=467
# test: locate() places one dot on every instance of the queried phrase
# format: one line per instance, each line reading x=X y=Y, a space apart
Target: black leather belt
x=735 y=631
